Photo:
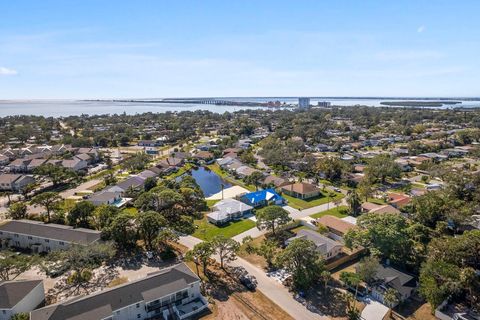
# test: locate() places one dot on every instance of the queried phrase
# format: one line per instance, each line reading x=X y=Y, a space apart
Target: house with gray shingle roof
x=327 y=247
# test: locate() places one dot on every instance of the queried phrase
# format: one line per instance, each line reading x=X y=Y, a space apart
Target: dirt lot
x=230 y=300
x=415 y=310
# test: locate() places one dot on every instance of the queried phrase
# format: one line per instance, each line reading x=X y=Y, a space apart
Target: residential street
x=274 y=290
x=294 y=214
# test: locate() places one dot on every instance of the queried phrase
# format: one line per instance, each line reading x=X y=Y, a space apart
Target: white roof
x=269 y=195
x=231 y=206
x=218 y=215
x=350 y=219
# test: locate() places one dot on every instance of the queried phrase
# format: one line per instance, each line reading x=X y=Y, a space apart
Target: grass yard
x=305 y=204
x=339 y=212
x=131 y=210
x=207 y=231
x=377 y=201
x=211 y=203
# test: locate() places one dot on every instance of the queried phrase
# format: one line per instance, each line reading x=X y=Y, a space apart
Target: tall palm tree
x=325 y=276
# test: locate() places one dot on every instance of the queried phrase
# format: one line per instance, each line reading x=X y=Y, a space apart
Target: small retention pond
x=209 y=181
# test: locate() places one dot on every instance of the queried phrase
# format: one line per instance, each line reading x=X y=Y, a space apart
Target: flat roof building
x=303 y=102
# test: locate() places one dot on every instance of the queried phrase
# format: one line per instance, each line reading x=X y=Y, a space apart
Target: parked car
x=249 y=281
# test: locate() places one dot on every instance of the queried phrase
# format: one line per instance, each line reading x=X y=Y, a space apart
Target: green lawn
x=207 y=231
x=305 y=204
x=131 y=210
x=211 y=203
x=377 y=201
x=339 y=212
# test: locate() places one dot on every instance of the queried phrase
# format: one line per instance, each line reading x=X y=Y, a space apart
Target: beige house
x=301 y=190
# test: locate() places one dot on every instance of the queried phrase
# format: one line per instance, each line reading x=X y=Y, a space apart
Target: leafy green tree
x=104 y=215
x=391 y=297
x=17 y=211
x=150 y=183
x=269 y=250
x=365 y=188
x=81 y=215
x=136 y=162
x=438 y=280
x=12 y=265
x=271 y=217
x=332 y=168
x=226 y=249
x=461 y=250
x=382 y=167
x=303 y=261
x=123 y=230
x=470 y=281
x=383 y=234
x=149 y=226
x=56 y=174
x=49 y=200
x=164 y=238
x=367 y=269
x=79 y=257
x=20 y=316
x=200 y=254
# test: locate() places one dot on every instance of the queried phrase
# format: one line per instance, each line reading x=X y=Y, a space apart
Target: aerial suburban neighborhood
x=336 y=217
x=237 y=160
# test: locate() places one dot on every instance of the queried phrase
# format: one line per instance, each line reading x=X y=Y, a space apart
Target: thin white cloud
x=421 y=29
x=7 y=72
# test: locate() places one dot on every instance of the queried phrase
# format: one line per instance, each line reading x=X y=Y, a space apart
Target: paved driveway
x=270 y=287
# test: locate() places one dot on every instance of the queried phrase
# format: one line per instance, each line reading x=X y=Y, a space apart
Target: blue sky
x=114 y=49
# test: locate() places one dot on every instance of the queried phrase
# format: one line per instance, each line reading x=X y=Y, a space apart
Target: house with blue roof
x=262 y=198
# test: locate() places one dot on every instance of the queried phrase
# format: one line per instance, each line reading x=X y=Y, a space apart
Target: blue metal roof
x=262 y=195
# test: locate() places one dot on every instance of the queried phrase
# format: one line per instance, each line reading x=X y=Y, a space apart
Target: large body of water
x=63 y=108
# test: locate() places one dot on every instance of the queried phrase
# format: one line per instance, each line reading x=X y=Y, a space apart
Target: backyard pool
x=209 y=181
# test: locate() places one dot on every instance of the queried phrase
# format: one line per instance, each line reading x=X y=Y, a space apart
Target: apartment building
x=42 y=237
x=171 y=293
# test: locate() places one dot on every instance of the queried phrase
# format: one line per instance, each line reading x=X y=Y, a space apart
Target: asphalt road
x=274 y=290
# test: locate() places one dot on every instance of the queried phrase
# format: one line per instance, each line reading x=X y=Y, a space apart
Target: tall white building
x=303 y=102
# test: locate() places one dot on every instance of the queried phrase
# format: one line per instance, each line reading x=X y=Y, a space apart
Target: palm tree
x=325 y=276
x=352 y=312
x=354 y=202
x=351 y=279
